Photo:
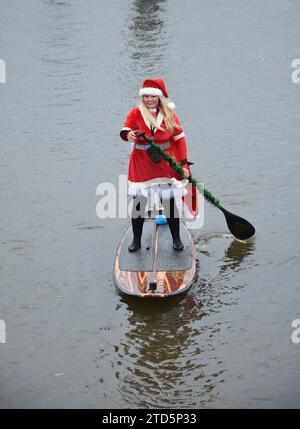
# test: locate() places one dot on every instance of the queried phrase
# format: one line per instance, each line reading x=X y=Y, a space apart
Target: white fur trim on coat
x=165 y=194
x=179 y=136
x=164 y=186
x=163 y=182
x=159 y=119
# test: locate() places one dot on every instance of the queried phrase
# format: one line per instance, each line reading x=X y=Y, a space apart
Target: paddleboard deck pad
x=155 y=270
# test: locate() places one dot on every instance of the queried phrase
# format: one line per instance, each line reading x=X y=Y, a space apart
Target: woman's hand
x=186 y=173
x=131 y=136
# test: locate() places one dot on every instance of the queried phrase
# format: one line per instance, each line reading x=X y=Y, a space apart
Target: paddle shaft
x=179 y=169
x=239 y=227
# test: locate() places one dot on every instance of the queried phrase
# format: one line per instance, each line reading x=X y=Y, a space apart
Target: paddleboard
x=156 y=270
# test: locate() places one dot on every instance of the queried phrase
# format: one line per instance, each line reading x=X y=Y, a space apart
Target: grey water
x=73 y=70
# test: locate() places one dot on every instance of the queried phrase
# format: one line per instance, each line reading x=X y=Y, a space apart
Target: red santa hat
x=155 y=87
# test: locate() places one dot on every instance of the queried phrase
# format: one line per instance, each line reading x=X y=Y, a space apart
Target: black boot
x=137 y=228
x=174 y=228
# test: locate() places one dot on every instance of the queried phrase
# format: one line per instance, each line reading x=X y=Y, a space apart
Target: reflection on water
x=236 y=252
x=146 y=42
x=158 y=361
x=221 y=263
x=167 y=357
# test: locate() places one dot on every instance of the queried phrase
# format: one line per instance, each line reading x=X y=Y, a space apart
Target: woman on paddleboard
x=148 y=174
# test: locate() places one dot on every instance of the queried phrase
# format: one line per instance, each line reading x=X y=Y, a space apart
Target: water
x=73 y=73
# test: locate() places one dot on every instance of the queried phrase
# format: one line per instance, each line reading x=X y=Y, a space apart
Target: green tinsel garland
x=178 y=168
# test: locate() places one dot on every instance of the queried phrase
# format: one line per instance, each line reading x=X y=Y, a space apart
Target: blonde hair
x=167 y=113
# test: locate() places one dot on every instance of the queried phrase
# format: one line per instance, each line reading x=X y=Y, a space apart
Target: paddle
x=239 y=227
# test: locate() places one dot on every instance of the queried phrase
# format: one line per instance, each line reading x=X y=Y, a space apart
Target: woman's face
x=151 y=101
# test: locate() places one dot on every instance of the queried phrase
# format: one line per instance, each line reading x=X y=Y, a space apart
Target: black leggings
x=139 y=207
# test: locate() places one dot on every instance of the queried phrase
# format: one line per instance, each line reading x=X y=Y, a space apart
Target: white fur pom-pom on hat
x=171 y=105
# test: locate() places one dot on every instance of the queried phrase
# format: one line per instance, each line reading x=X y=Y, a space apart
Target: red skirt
x=146 y=177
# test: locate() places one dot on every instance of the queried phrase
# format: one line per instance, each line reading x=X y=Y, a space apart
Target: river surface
x=73 y=70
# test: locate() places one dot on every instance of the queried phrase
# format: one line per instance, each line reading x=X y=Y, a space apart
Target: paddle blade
x=239 y=227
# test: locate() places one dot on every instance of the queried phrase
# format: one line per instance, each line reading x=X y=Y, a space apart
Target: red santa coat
x=143 y=174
